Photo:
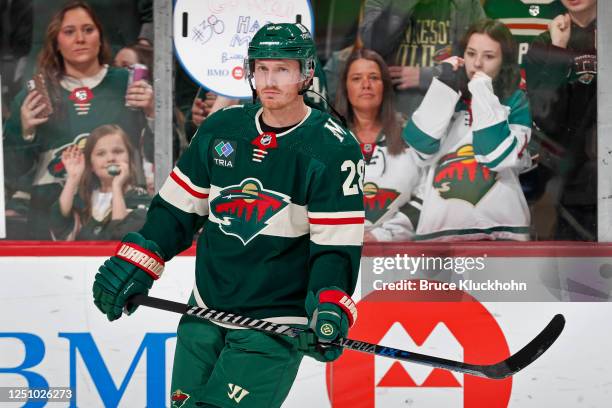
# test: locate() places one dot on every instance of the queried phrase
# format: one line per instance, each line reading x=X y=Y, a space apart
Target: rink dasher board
x=49 y=315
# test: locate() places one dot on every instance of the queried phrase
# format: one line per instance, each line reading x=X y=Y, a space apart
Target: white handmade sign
x=211 y=37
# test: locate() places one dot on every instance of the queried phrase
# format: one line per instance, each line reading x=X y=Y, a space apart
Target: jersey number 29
x=350 y=185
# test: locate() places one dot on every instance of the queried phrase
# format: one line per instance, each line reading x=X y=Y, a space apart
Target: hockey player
x=475 y=146
x=277 y=188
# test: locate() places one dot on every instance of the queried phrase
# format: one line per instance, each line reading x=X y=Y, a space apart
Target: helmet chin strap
x=307 y=84
x=253 y=90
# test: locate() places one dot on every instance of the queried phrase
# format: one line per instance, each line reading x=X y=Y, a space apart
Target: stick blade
x=528 y=354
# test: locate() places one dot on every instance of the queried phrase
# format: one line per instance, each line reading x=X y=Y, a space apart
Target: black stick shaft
x=500 y=370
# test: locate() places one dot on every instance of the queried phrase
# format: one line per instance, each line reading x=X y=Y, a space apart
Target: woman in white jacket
x=472 y=129
x=365 y=98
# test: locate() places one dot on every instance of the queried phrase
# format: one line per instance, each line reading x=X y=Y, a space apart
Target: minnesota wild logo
x=55 y=166
x=179 y=398
x=245 y=209
x=377 y=201
x=459 y=175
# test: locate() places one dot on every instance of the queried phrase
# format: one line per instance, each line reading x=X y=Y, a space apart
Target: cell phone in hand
x=37 y=83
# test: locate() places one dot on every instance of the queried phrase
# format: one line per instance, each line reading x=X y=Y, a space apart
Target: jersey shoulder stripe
x=184 y=181
x=179 y=191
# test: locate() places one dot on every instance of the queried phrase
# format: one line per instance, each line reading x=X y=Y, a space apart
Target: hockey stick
x=510 y=366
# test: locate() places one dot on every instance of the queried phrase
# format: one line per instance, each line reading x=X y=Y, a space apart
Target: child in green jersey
x=99 y=199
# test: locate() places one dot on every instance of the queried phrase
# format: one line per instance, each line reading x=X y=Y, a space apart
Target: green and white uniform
x=282 y=215
x=474 y=154
x=390 y=192
x=278 y=220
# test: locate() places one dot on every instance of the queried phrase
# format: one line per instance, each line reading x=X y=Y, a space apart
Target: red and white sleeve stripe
x=336 y=228
x=182 y=193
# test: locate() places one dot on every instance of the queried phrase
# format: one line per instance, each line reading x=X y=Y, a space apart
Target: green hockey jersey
x=282 y=214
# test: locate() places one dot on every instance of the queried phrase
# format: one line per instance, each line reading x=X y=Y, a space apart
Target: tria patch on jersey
x=263 y=143
x=377 y=201
x=81 y=98
x=224 y=153
x=459 y=175
x=246 y=208
x=179 y=398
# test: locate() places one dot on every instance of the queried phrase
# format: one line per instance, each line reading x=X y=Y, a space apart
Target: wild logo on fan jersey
x=459 y=175
x=244 y=209
x=377 y=201
x=584 y=69
x=55 y=166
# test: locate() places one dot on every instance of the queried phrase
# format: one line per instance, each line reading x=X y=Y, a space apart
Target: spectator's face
x=576 y=6
x=108 y=150
x=364 y=85
x=277 y=82
x=79 y=39
x=482 y=54
x=125 y=57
